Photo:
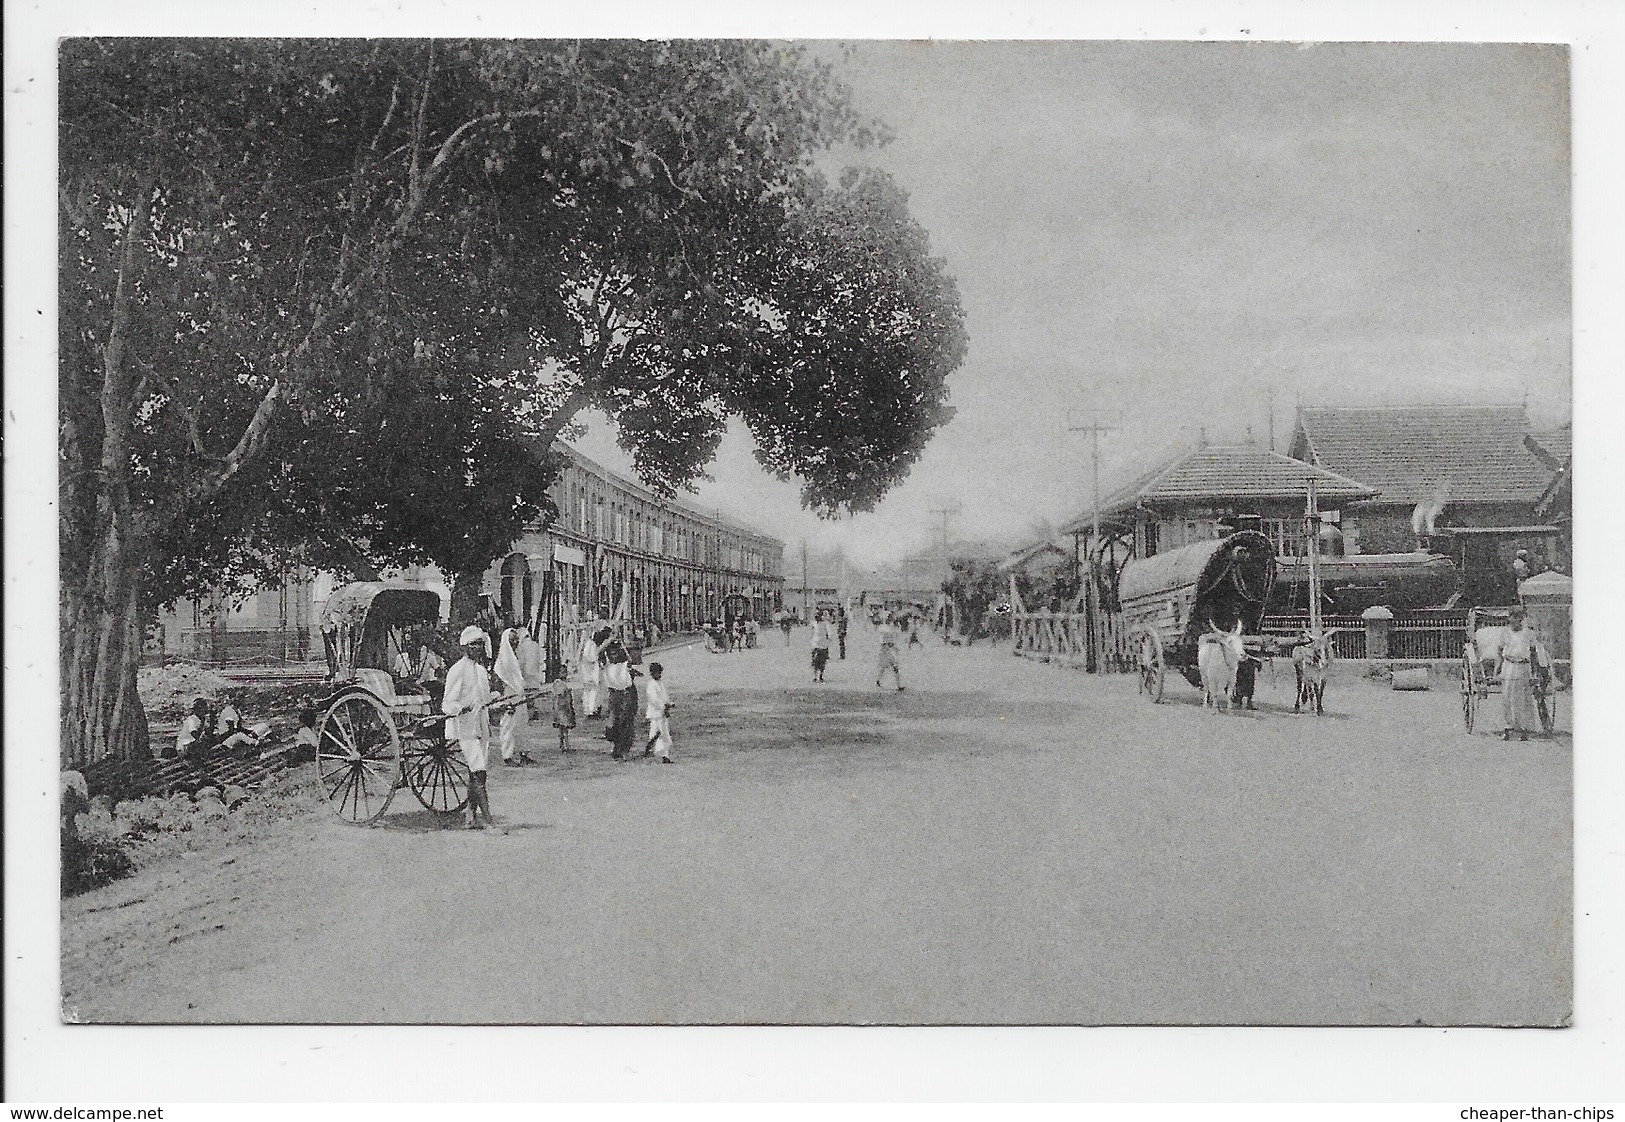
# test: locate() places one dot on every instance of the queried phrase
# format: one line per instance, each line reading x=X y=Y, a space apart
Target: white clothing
x=508 y=731
x=474 y=753
x=820 y=634
x=530 y=660
x=403 y=665
x=228 y=721
x=468 y=687
x=618 y=676
x=191 y=729
x=509 y=668
x=660 y=735
x=305 y=737
x=655 y=699
x=589 y=675
x=431 y=666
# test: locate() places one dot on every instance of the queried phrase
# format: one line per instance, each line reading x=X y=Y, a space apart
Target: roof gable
x=1474 y=453
x=1243 y=471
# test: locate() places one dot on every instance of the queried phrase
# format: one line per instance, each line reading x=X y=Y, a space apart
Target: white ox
x=1218 y=654
x=1311 y=659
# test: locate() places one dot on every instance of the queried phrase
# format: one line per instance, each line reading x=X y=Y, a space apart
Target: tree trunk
x=101 y=642
x=465 y=597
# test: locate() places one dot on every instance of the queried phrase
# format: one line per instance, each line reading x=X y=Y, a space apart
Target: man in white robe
x=511 y=674
x=468 y=694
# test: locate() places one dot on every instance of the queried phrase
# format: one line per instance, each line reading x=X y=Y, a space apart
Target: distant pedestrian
x=657 y=708
x=820 y=646
x=533 y=661
x=840 y=631
x=468 y=694
x=564 y=712
x=889 y=636
x=914 y=632
x=591 y=667
x=784 y=626
x=511 y=675
x=623 y=699
x=1246 y=679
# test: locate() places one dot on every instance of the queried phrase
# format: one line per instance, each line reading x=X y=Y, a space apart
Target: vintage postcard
x=808 y=532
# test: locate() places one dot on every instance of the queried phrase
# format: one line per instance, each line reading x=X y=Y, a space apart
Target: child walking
x=657 y=707
x=564 y=711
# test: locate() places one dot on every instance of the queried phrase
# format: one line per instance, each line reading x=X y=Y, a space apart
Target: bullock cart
x=1169 y=601
x=1479 y=658
x=377 y=732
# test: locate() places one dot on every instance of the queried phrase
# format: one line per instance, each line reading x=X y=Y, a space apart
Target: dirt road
x=1002 y=843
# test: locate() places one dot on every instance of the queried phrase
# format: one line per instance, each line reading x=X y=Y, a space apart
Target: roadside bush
x=90 y=862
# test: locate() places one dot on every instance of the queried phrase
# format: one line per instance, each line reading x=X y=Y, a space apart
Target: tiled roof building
x=1470 y=453
x=1470 y=470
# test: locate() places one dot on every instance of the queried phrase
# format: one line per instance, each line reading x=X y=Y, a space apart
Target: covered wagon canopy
x=1219 y=581
x=357 y=617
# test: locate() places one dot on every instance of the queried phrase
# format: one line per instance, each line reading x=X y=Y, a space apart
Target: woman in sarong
x=1521 y=658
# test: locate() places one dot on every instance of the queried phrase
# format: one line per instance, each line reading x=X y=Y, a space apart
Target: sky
x=1171 y=239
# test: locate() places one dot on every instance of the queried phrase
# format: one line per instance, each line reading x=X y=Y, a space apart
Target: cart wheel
x=1469 y=690
x=1151 y=668
x=438 y=776
x=358 y=756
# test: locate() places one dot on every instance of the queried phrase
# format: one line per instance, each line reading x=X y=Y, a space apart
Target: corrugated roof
x=1241 y=471
x=1475 y=453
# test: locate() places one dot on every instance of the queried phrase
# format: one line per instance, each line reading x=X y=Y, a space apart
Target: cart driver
x=468 y=696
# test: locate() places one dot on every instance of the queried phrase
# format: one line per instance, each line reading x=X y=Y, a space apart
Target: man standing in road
x=888 y=653
x=468 y=694
x=840 y=630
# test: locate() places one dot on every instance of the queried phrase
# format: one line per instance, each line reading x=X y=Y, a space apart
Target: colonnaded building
x=619 y=549
x=615 y=548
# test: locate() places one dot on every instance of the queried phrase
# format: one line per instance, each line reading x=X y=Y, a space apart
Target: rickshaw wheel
x=358 y=756
x=438 y=775
x=1469 y=688
x=1151 y=667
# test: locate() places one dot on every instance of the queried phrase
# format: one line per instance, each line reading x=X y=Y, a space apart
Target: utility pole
x=1094 y=428
x=945 y=513
x=804 y=611
x=1269 y=396
x=1312 y=525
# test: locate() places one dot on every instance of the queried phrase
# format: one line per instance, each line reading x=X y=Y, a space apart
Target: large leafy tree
x=335 y=299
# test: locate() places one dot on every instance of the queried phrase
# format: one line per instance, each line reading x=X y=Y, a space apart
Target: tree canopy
x=334 y=299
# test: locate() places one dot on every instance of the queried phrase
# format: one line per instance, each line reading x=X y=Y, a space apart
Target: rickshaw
x=1481 y=651
x=1169 y=601
x=378 y=732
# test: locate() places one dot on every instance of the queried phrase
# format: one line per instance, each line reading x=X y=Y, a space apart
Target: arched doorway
x=515 y=595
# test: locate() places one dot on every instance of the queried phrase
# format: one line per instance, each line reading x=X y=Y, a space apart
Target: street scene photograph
x=643 y=532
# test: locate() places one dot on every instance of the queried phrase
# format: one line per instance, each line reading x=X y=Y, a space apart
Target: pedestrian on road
x=840 y=631
x=820 y=645
x=888 y=653
x=623 y=699
x=1521 y=653
x=533 y=661
x=564 y=712
x=784 y=626
x=657 y=708
x=591 y=668
x=511 y=673
x=468 y=693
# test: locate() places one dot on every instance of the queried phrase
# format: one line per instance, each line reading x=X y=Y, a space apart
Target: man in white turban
x=467 y=697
